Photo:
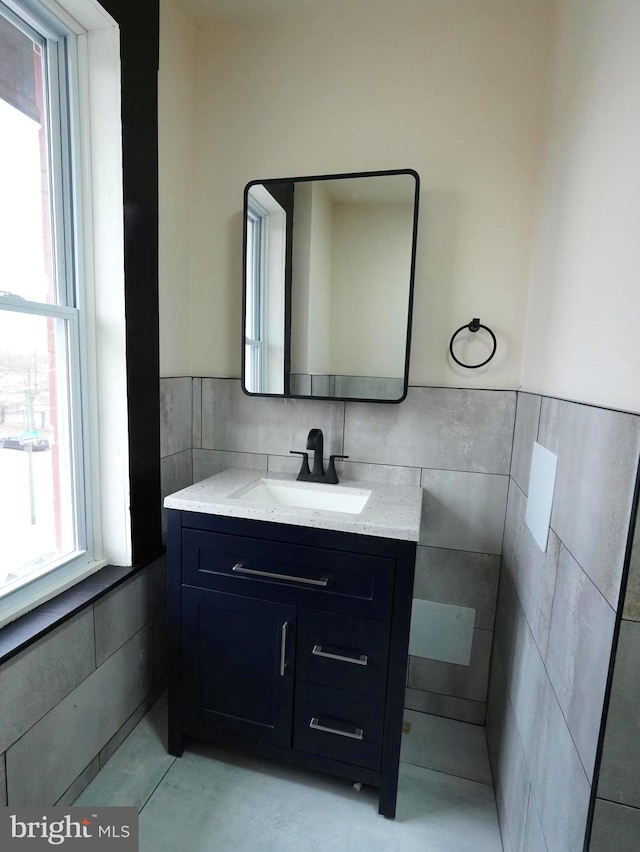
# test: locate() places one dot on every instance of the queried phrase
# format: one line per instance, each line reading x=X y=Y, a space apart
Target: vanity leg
x=175 y=745
x=388 y=796
x=175 y=738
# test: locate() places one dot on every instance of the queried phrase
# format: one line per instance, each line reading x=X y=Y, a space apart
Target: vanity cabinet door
x=238 y=664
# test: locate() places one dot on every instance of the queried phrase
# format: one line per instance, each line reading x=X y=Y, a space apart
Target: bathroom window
x=45 y=526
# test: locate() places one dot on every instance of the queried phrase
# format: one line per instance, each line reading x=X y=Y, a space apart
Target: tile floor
x=211 y=800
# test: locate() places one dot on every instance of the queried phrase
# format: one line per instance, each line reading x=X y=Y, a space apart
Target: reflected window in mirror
x=329 y=267
x=265 y=261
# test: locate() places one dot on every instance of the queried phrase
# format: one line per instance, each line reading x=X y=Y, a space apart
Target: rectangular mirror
x=329 y=265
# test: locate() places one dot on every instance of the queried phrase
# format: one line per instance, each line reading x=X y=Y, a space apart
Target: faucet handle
x=304 y=469
x=332 y=476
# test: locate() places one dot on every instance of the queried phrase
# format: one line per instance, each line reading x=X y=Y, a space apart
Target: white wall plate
x=542 y=482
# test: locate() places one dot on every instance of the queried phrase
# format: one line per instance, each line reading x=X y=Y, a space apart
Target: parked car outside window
x=13 y=442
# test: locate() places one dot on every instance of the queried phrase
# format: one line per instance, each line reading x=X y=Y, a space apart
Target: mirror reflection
x=328 y=282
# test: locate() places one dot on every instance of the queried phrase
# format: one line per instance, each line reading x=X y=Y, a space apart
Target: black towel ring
x=473 y=326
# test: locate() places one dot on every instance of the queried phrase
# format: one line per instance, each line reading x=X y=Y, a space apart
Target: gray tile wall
x=35 y=680
x=72 y=695
x=555 y=621
x=3 y=781
x=455 y=443
x=616 y=824
x=632 y=598
x=616 y=828
x=620 y=768
x=180 y=430
x=176 y=415
x=597 y=454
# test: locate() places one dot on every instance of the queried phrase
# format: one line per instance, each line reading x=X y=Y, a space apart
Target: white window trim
x=99 y=155
x=256 y=257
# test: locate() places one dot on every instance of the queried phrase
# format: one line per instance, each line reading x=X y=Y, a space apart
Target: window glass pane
x=37 y=514
x=26 y=244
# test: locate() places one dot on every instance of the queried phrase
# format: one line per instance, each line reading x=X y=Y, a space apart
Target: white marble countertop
x=391 y=511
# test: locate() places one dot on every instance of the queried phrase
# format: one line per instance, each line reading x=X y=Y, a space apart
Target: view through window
x=41 y=482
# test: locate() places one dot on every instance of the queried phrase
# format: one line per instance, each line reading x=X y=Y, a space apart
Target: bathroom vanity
x=289 y=607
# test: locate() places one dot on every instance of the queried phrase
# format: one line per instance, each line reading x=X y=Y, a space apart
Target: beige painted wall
x=311 y=295
x=454 y=90
x=370 y=288
x=582 y=332
x=176 y=91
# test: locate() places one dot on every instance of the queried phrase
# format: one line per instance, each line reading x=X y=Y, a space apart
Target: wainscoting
x=70 y=698
x=616 y=822
x=556 y=621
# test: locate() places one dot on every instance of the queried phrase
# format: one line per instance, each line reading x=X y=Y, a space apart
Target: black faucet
x=315 y=442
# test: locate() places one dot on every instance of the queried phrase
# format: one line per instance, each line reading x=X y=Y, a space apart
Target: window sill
x=27 y=629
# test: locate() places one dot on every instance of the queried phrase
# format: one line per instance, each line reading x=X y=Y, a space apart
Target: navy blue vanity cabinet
x=290 y=642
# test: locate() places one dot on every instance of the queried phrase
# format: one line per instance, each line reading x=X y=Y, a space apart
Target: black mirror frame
x=414 y=244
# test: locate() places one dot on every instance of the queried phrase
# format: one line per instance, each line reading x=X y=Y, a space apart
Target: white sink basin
x=305 y=495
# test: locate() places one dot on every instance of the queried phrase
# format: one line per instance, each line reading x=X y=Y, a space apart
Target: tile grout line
x=449 y=774
x=620 y=804
x=148 y=799
x=577 y=561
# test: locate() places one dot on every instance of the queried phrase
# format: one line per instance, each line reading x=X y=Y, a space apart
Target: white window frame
x=96 y=147
x=256 y=250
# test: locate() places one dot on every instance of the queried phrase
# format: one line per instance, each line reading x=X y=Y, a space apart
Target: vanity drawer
x=339 y=725
x=340 y=581
x=343 y=651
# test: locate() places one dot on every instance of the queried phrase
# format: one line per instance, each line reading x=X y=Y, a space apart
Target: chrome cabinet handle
x=283 y=649
x=241 y=569
x=316 y=726
x=362 y=660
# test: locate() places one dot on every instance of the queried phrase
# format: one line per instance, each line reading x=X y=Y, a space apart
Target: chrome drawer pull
x=362 y=660
x=316 y=726
x=241 y=569
x=283 y=649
